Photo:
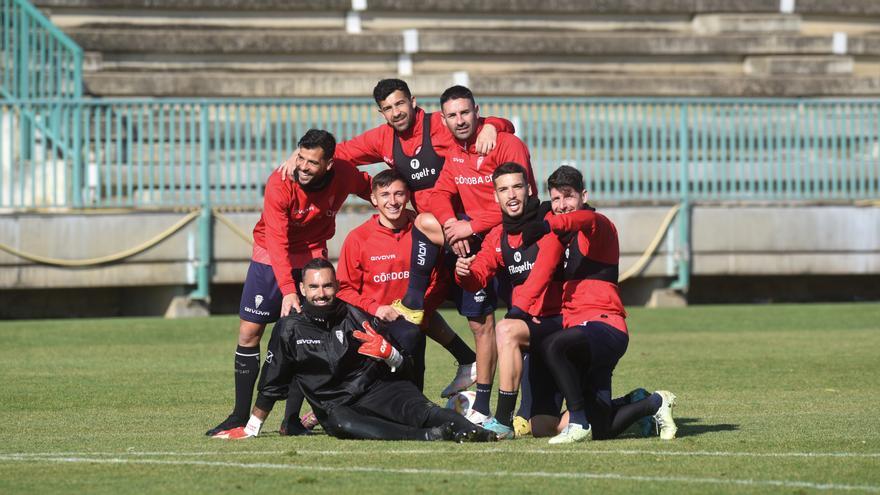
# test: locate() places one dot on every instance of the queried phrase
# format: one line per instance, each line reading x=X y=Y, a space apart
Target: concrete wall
x=741 y=247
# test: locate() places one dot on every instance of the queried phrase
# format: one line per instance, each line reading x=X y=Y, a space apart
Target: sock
x=422 y=261
x=579 y=416
x=461 y=351
x=504 y=409
x=656 y=401
x=247 y=367
x=481 y=403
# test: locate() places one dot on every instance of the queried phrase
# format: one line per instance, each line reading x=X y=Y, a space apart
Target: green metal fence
x=36 y=58
x=172 y=153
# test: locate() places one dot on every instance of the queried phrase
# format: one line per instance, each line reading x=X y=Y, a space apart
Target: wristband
x=395 y=360
x=254 y=425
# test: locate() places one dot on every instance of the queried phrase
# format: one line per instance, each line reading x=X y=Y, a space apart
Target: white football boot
x=465 y=376
x=572 y=433
x=663 y=416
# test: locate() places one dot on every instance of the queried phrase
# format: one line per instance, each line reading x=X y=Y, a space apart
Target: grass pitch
x=772 y=399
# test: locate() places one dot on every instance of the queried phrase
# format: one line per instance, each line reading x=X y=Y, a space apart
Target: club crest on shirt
x=479 y=161
x=339 y=336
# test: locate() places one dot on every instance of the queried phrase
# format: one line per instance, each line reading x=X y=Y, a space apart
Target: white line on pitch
x=295 y=451
x=451 y=472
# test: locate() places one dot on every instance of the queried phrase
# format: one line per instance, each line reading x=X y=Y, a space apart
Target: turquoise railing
x=38 y=59
x=172 y=153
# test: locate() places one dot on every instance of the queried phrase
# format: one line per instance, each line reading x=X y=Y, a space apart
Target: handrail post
x=683 y=241
x=78 y=159
x=203 y=274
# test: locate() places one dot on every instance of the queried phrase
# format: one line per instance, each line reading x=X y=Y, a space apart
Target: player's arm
x=444 y=190
x=363 y=149
x=276 y=213
x=549 y=254
x=350 y=273
x=576 y=221
x=473 y=273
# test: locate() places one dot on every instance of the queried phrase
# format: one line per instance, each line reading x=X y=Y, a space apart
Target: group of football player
x=351 y=339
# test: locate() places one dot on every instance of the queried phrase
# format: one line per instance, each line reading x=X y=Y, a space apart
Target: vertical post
x=683 y=224
x=203 y=272
x=23 y=63
x=78 y=161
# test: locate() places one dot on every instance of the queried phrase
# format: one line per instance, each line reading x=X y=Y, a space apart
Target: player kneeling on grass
x=582 y=357
x=350 y=374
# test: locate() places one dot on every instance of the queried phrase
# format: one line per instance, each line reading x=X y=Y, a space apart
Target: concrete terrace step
x=282 y=41
x=848 y=7
x=541 y=84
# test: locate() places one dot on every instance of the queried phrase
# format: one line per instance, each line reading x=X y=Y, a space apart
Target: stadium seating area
x=278 y=48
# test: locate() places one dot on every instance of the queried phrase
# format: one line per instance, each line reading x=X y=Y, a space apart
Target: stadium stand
x=504 y=48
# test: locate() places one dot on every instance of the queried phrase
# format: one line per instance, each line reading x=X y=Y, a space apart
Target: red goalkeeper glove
x=375 y=346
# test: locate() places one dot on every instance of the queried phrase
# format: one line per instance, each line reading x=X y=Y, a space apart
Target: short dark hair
x=385 y=178
x=566 y=176
x=317 y=264
x=507 y=168
x=385 y=87
x=455 y=93
x=317 y=138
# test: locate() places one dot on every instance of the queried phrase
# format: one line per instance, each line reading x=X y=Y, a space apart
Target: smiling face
x=319 y=286
x=398 y=110
x=391 y=201
x=311 y=165
x=460 y=115
x=566 y=200
x=511 y=192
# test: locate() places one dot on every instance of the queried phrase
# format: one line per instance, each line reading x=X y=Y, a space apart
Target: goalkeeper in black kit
x=357 y=382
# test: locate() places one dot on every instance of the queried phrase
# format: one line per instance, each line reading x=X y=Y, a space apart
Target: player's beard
x=329 y=314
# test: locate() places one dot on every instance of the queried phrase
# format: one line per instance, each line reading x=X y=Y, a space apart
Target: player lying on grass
x=349 y=373
x=582 y=357
x=373 y=271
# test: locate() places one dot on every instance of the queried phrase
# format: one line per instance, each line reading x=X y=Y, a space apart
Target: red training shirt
x=296 y=224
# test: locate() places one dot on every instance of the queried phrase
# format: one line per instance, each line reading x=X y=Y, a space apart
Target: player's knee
x=338 y=424
x=509 y=333
x=250 y=333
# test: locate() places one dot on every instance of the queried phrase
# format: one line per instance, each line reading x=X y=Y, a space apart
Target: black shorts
x=261 y=297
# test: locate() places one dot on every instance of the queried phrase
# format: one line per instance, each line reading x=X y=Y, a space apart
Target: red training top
x=296 y=224
x=468 y=176
x=373 y=267
x=377 y=144
x=489 y=259
x=589 y=257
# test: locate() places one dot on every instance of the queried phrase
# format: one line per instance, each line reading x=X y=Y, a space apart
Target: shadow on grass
x=688 y=427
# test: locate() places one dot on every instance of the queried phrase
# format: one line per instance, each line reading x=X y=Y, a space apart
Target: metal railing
x=37 y=59
x=172 y=153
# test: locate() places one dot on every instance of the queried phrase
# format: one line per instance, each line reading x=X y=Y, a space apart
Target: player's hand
x=290 y=302
x=532 y=232
x=457 y=230
x=375 y=346
x=287 y=168
x=463 y=266
x=486 y=139
x=461 y=248
x=387 y=313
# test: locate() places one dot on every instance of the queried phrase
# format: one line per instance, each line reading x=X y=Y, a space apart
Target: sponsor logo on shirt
x=458 y=160
x=388 y=277
x=414 y=164
x=472 y=181
x=514 y=269
x=307 y=341
x=421 y=174
x=382 y=257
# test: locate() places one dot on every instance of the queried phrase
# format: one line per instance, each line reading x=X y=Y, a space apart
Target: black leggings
x=582 y=360
x=391 y=410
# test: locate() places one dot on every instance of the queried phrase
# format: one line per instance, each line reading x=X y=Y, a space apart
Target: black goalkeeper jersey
x=323 y=358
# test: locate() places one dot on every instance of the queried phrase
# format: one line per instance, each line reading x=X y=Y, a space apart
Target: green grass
x=121 y=405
